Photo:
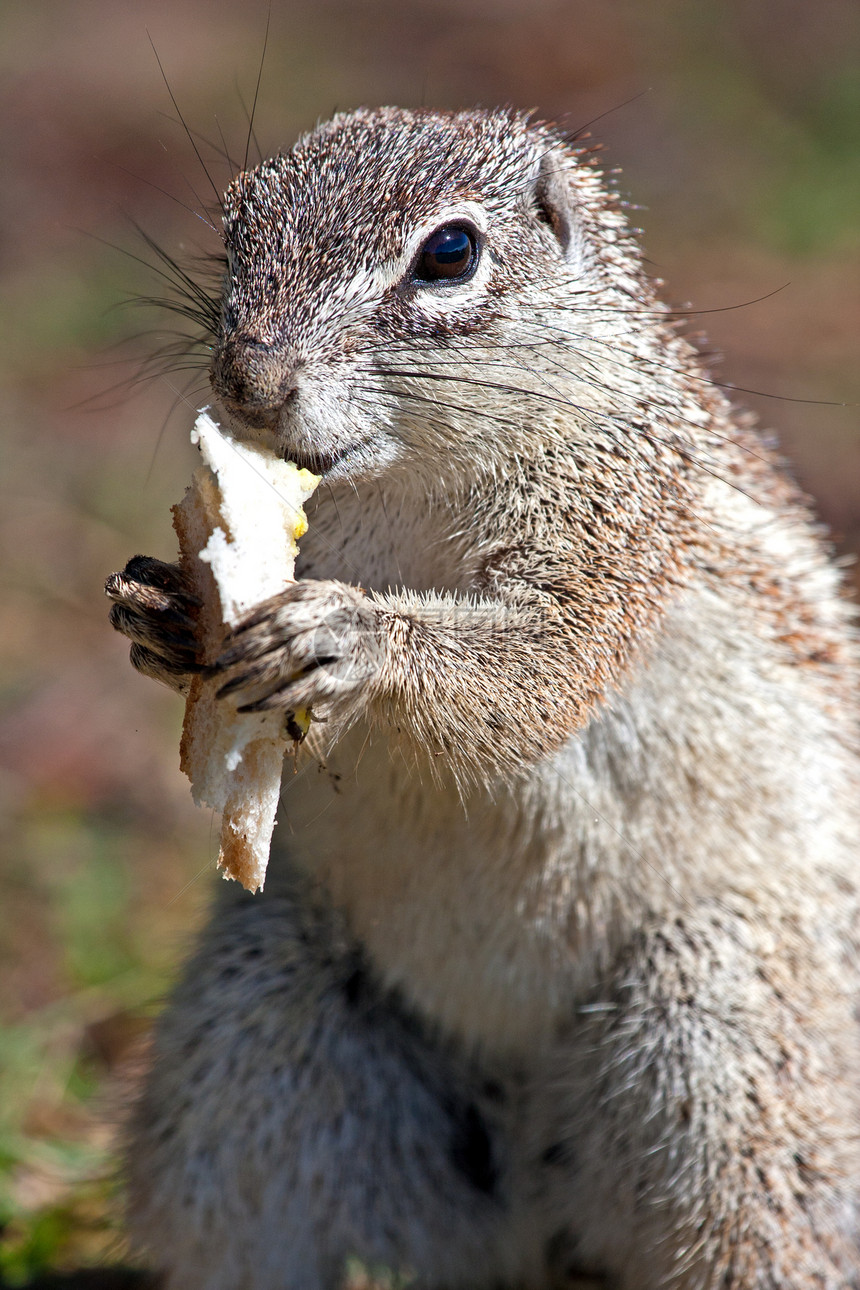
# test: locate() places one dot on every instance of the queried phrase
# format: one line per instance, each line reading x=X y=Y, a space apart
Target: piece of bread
x=238 y=526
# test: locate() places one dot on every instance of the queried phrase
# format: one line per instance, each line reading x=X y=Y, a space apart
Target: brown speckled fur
x=556 y=968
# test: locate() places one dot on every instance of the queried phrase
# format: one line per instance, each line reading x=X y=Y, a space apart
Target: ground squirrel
x=555 y=973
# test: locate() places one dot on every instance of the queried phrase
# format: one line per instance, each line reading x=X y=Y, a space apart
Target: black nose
x=253 y=379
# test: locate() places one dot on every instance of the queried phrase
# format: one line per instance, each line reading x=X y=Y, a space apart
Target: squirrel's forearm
x=483 y=686
x=494 y=682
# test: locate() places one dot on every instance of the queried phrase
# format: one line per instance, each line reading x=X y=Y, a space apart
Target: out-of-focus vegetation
x=742 y=146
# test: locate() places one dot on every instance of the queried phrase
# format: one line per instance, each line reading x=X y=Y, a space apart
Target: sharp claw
x=189 y=648
x=229 y=687
x=227 y=659
x=243 y=653
x=248 y=624
x=259 y=705
x=252 y=676
x=260 y=675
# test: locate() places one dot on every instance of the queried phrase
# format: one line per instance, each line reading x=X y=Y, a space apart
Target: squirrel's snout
x=254 y=380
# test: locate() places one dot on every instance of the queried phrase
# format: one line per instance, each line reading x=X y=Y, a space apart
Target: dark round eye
x=449 y=253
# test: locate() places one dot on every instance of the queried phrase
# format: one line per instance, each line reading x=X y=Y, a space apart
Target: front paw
x=154 y=605
x=315 y=645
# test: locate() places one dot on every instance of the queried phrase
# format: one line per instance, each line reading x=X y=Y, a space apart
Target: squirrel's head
x=404 y=287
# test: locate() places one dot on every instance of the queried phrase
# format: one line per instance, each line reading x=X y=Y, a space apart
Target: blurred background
x=736 y=124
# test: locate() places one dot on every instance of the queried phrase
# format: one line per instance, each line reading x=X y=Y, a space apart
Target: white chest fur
x=438 y=893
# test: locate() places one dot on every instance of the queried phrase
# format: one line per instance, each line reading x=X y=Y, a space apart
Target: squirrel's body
x=556 y=967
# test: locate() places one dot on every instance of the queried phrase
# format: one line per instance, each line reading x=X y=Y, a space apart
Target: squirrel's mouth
x=317 y=460
x=319 y=463
x=360 y=458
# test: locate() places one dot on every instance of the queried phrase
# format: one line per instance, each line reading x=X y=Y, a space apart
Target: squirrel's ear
x=553 y=200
